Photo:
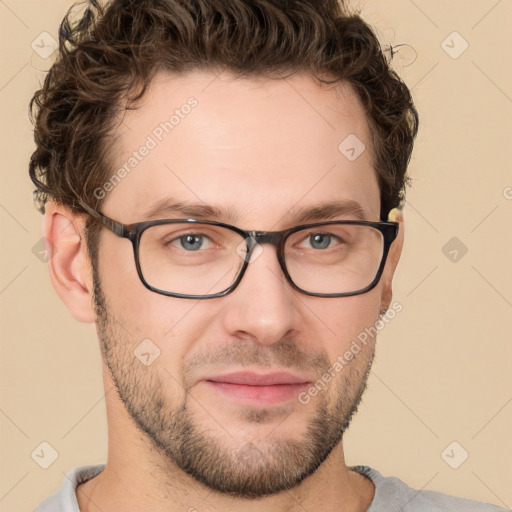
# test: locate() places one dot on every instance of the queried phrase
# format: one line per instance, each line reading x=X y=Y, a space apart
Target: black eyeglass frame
x=133 y=232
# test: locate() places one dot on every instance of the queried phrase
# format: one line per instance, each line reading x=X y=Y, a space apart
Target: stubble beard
x=248 y=470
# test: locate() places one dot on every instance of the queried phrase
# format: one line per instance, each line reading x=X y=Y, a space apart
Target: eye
x=321 y=241
x=192 y=242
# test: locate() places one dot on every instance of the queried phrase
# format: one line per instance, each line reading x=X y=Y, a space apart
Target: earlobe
x=68 y=262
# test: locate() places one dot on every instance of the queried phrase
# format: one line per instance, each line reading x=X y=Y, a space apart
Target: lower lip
x=259 y=395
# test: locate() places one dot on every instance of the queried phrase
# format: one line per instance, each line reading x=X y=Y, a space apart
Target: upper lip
x=258 y=379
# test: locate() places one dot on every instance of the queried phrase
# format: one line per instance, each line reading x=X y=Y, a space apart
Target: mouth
x=258 y=389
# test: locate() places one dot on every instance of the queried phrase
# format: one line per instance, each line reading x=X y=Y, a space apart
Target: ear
x=68 y=261
x=395 y=251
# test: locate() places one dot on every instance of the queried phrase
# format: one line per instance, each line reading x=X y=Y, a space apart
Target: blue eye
x=191 y=242
x=320 y=240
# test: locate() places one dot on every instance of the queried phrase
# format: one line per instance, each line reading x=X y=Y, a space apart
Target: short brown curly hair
x=109 y=53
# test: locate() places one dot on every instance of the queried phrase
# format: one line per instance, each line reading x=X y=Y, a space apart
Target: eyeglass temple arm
x=116 y=227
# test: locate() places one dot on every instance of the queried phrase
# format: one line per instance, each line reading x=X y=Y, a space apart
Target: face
x=259 y=152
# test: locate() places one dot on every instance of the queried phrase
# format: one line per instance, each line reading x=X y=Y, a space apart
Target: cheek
x=170 y=324
x=144 y=311
x=341 y=321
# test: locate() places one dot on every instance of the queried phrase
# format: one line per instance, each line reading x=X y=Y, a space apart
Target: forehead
x=259 y=148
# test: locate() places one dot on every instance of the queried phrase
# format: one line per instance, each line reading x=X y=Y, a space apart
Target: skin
x=263 y=149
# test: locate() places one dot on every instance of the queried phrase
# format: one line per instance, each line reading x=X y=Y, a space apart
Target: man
x=221 y=184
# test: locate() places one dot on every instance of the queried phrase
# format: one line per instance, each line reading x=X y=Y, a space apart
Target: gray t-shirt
x=391 y=495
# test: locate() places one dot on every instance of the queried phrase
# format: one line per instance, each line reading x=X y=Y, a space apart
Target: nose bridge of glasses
x=266 y=237
x=256 y=239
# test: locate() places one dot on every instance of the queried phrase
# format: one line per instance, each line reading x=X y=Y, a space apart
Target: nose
x=263 y=307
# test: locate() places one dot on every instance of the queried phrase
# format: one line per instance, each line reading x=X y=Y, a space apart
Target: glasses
x=194 y=259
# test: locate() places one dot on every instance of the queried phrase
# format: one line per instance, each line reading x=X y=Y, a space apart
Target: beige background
x=443 y=366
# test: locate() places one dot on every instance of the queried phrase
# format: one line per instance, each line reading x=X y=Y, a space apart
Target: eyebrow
x=330 y=211
x=168 y=208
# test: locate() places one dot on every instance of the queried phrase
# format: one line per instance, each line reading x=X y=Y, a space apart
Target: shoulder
x=64 y=499
x=392 y=494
